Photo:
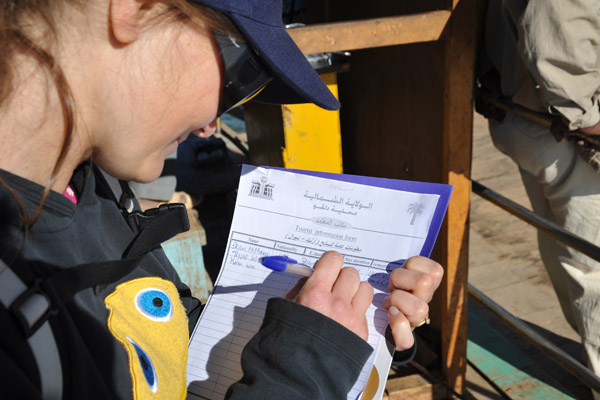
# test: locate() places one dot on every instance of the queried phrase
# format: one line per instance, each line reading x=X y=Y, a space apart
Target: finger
x=293 y=293
x=421 y=276
x=414 y=308
x=346 y=284
x=401 y=329
x=326 y=271
x=425 y=265
x=363 y=297
x=420 y=284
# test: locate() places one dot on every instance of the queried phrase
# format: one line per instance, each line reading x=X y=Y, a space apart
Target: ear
x=127 y=18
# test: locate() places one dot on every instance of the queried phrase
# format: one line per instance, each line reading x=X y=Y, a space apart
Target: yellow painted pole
x=312 y=135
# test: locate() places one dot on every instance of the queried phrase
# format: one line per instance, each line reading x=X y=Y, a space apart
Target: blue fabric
x=146 y=365
x=156 y=303
x=294 y=79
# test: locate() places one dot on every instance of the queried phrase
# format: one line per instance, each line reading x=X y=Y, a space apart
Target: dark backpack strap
x=115 y=189
x=155 y=226
x=41 y=341
x=34 y=306
x=152 y=227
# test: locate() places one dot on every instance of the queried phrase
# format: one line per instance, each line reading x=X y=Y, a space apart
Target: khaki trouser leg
x=566 y=190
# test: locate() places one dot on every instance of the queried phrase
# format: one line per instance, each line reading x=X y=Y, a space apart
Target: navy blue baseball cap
x=294 y=79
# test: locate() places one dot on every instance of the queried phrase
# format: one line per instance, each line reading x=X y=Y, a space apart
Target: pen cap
x=277 y=263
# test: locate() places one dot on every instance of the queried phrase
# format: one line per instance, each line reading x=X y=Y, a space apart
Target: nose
x=208 y=130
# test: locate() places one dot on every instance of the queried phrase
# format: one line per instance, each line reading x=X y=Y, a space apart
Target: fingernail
x=394 y=311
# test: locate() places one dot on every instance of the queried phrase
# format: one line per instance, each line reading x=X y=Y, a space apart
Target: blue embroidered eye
x=147 y=366
x=154 y=304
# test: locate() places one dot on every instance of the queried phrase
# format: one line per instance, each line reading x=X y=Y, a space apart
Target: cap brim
x=294 y=79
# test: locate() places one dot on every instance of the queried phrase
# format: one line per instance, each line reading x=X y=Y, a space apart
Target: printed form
x=279 y=212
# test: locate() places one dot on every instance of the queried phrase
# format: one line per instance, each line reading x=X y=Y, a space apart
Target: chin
x=146 y=178
x=149 y=174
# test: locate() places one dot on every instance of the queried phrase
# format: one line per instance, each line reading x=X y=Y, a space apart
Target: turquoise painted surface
x=512 y=370
x=185 y=253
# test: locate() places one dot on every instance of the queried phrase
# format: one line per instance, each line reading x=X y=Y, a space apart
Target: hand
x=592 y=130
x=560 y=130
x=337 y=293
x=411 y=289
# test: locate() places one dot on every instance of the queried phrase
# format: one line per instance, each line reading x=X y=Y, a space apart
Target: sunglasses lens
x=244 y=76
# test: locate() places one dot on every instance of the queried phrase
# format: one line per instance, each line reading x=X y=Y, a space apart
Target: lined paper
x=284 y=213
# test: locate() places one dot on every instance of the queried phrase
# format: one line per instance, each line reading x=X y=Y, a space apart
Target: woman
x=117 y=85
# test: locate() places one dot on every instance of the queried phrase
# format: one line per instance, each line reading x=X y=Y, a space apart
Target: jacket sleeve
x=561 y=47
x=299 y=354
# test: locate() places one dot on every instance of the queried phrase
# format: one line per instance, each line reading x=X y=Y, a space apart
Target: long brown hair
x=14 y=40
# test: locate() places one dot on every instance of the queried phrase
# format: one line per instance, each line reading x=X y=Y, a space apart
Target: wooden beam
x=379 y=32
x=457 y=141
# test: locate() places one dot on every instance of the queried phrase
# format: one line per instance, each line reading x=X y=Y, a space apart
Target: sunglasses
x=244 y=75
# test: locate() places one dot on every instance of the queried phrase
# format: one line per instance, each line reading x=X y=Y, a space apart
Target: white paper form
x=301 y=216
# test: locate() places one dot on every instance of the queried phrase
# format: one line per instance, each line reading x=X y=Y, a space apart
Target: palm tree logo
x=415 y=209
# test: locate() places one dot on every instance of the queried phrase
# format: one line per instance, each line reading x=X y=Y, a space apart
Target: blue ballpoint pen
x=286 y=264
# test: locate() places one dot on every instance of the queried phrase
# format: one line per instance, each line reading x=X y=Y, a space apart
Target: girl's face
x=163 y=86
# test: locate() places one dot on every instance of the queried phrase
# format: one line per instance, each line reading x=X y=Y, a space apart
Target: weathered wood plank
x=378 y=32
x=414 y=387
x=459 y=62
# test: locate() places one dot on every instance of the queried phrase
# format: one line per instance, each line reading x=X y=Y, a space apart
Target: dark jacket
x=284 y=360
